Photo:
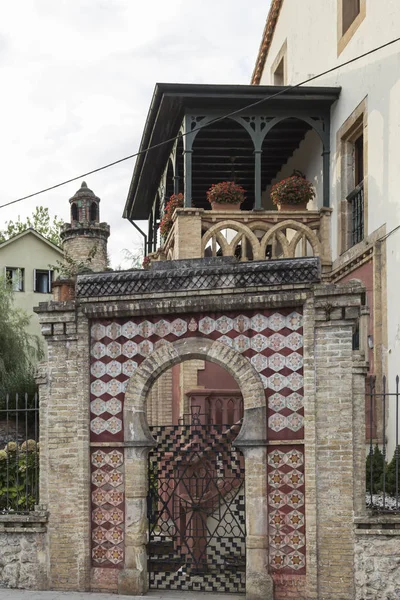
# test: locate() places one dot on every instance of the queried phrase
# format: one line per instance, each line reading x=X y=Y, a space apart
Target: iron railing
x=383 y=460
x=356 y=200
x=19 y=453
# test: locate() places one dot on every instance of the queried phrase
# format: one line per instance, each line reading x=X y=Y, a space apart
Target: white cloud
x=77 y=78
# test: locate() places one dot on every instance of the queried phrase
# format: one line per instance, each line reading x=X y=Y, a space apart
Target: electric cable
x=199 y=127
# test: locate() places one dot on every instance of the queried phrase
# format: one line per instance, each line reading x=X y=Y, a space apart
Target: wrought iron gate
x=196 y=509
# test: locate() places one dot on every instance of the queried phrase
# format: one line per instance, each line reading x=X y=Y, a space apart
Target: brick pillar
x=187 y=234
x=64 y=446
x=339 y=410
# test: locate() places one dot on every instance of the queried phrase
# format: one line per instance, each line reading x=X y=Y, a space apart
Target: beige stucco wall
x=310 y=29
x=29 y=252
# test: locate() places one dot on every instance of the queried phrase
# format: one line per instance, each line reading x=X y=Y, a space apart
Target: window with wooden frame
x=42 y=281
x=350 y=15
x=14 y=278
x=352 y=140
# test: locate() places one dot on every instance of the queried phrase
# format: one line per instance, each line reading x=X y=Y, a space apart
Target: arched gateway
x=251 y=441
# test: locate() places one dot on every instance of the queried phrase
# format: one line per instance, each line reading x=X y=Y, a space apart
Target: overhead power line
x=199 y=127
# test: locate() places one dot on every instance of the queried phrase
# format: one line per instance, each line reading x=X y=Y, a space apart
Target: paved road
x=33 y=595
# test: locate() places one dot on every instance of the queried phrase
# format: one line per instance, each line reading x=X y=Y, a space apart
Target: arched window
x=74 y=212
x=93 y=212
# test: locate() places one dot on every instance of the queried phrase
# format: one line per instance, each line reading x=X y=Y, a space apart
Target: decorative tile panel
x=107 y=508
x=272 y=341
x=286 y=510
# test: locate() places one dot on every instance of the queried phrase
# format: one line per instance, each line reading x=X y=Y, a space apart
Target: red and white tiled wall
x=273 y=342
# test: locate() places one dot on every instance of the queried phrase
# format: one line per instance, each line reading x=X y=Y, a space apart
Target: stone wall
x=22 y=552
x=377 y=558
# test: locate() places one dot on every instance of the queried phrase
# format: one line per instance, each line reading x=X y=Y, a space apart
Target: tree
x=40 y=221
x=19 y=350
x=378 y=466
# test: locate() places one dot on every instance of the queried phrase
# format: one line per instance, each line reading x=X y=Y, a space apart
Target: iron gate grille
x=196 y=509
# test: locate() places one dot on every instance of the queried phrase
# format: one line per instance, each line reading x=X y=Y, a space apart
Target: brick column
x=64 y=445
x=337 y=402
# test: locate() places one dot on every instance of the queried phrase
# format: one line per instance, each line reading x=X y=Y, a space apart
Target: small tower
x=85 y=230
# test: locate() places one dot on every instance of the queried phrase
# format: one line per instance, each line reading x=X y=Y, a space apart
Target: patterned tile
x=146 y=329
x=294 y=458
x=294 y=341
x=100 y=478
x=162 y=328
x=223 y=325
x=98 y=387
x=295 y=381
x=259 y=362
x=276 y=478
x=114 y=387
x=99 y=458
x=113 y=349
x=294 y=401
x=277 y=560
x=295 y=519
x=129 y=330
x=294 y=422
x=277 y=422
x=276 y=499
x=296 y=539
x=97 y=331
x=99 y=554
x=294 y=479
x=295 y=499
x=178 y=327
x=276 y=362
x=114 y=425
x=113 y=406
x=114 y=497
x=99 y=516
x=241 y=343
x=114 y=368
x=99 y=535
x=206 y=325
x=99 y=497
x=276 y=322
x=276 y=342
x=224 y=339
x=129 y=349
x=115 y=535
x=113 y=331
x=259 y=323
x=294 y=321
x=98 y=425
x=296 y=560
x=241 y=323
x=145 y=348
x=115 y=478
x=98 y=406
x=98 y=350
x=98 y=369
x=276 y=402
x=115 y=516
x=115 y=555
x=294 y=361
x=276 y=458
x=276 y=519
x=277 y=382
x=259 y=342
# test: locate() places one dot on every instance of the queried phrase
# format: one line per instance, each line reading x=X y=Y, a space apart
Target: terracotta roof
x=266 y=41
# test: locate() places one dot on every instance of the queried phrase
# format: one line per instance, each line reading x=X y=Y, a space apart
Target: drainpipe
x=142 y=233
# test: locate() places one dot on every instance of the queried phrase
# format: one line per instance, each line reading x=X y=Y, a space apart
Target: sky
x=77 y=77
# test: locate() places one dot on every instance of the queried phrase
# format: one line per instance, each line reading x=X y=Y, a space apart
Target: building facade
x=364 y=176
x=27 y=263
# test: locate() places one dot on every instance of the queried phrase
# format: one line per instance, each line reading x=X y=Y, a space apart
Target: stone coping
x=382 y=524
x=33 y=522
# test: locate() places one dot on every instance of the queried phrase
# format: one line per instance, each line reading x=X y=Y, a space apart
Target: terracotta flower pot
x=292 y=207
x=225 y=206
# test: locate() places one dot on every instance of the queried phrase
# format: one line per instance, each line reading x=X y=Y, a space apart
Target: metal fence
x=19 y=453
x=382 y=465
x=356 y=200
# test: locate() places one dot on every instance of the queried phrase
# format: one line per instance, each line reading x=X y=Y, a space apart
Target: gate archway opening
x=139 y=441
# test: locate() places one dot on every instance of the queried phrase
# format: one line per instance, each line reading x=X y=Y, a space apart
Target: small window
x=42 y=281
x=14 y=279
x=279 y=73
x=350 y=10
x=93 y=212
x=74 y=212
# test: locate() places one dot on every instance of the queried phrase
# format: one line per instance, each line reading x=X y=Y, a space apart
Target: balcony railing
x=249 y=235
x=356 y=201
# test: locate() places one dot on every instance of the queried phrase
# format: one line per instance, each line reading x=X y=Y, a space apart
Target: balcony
x=244 y=134
x=248 y=235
